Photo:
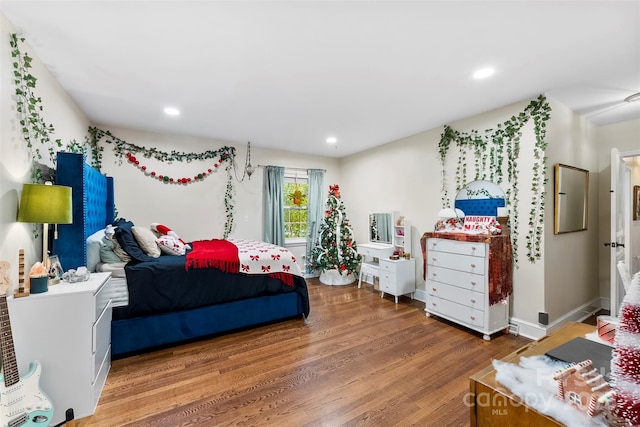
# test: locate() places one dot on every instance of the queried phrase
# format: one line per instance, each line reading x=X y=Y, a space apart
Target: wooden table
x=492 y=404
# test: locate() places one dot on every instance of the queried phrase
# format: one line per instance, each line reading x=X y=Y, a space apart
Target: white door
x=620 y=188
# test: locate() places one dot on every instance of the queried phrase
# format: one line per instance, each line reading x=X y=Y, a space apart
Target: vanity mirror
x=380 y=227
x=571 y=199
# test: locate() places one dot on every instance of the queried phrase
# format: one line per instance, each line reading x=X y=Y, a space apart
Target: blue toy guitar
x=22 y=403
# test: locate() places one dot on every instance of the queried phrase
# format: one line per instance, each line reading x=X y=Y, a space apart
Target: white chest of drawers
x=67 y=329
x=397 y=277
x=457 y=286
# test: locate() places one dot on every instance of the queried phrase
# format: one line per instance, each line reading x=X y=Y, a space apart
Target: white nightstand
x=397 y=277
x=67 y=329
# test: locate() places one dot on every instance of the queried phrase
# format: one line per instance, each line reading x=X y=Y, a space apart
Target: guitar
x=22 y=403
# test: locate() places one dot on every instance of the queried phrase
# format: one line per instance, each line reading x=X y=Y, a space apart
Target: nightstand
x=397 y=277
x=67 y=329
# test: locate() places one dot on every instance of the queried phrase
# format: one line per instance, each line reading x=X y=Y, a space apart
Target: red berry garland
x=168 y=180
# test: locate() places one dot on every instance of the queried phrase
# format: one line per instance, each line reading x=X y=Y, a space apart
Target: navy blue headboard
x=93 y=208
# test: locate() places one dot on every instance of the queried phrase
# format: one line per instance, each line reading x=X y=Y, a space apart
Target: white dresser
x=67 y=329
x=458 y=282
x=397 y=277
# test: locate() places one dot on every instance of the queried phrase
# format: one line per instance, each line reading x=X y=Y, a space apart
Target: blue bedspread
x=164 y=285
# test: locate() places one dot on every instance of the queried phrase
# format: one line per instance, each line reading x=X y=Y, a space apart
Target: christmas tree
x=336 y=250
x=625 y=364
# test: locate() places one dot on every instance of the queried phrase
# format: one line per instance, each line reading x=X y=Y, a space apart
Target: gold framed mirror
x=571 y=199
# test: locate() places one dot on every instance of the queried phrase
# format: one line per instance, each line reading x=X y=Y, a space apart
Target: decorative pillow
x=125 y=237
x=93 y=250
x=163 y=230
x=106 y=251
x=171 y=246
x=121 y=253
x=147 y=241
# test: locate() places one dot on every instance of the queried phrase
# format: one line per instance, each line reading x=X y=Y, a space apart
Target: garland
x=34 y=128
x=490 y=152
x=123 y=149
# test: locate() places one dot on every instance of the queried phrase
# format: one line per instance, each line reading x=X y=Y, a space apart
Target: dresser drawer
x=457 y=247
x=375 y=251
x=462 y=279
x=467 y=263
x=387 y=282
x=454 y=311
x=455 y=294
x=103 y=297
x=101 y=333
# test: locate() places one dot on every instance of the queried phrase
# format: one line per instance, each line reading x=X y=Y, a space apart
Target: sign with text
x=479 y=224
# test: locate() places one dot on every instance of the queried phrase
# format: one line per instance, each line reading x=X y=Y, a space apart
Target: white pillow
x=147 y=241
x=93 y=251
x=170 y=245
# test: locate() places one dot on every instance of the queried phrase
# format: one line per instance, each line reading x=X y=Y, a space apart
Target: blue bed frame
x=93 y=209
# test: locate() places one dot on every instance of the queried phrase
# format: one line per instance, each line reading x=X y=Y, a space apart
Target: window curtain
x=273 y=205
x=315 y=211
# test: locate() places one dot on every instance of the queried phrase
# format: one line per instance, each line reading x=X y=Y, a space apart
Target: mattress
x=119 y=291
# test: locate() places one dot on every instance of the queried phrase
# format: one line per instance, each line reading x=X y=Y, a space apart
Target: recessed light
x=483 y=73
x=332 y=140
x=171 y=111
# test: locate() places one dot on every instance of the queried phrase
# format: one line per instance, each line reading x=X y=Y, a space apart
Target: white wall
x=405 y=175
x=196 y=211
x=625 y=137
x=15 y=160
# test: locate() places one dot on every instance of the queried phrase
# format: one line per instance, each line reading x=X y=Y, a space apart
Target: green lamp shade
x=45 y=204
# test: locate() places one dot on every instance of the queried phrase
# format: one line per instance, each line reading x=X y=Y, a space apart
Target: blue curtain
x=315 y=211
x=273 y=205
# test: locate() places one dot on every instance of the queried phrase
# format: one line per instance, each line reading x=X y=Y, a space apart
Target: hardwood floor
x=358 y=360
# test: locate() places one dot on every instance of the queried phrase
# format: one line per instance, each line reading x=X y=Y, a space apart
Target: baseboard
x=536 y=331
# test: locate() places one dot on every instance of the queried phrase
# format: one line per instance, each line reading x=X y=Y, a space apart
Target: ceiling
x=288 y=74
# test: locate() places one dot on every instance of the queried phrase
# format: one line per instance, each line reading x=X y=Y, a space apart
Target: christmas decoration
x=625 y=363
x=336 y=255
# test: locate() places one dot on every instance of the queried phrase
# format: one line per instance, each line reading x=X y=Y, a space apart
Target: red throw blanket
x=244 y=257
x=215 y=253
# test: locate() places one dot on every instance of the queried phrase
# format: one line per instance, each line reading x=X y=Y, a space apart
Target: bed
x=163 y=301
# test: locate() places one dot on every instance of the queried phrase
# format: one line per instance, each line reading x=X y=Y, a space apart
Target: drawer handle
x=473 y=266
x=433 y=304
x=433 y=289
x=434 y=259
x=434 y=275
x=472 y=318
x=473 y=301
x=473 y=248
x=473 y=283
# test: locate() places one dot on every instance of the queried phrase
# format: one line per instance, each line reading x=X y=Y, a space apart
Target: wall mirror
x=380 y=227
x=571 y=199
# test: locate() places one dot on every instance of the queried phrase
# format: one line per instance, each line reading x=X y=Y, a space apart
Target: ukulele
x=22 y=403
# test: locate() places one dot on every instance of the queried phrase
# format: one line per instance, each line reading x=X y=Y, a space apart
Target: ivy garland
x=489 y=154
x=34 y=129
x=123 y=149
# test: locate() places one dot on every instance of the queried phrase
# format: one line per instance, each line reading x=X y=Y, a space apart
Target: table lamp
x=46 y=204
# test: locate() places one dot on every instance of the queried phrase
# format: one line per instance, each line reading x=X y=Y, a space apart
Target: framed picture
x=55 y=271
x=636 y=202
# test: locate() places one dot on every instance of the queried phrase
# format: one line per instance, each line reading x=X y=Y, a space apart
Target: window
x=296 y=192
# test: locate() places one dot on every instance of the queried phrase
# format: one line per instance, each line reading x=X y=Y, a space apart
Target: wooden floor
x=359 y=360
